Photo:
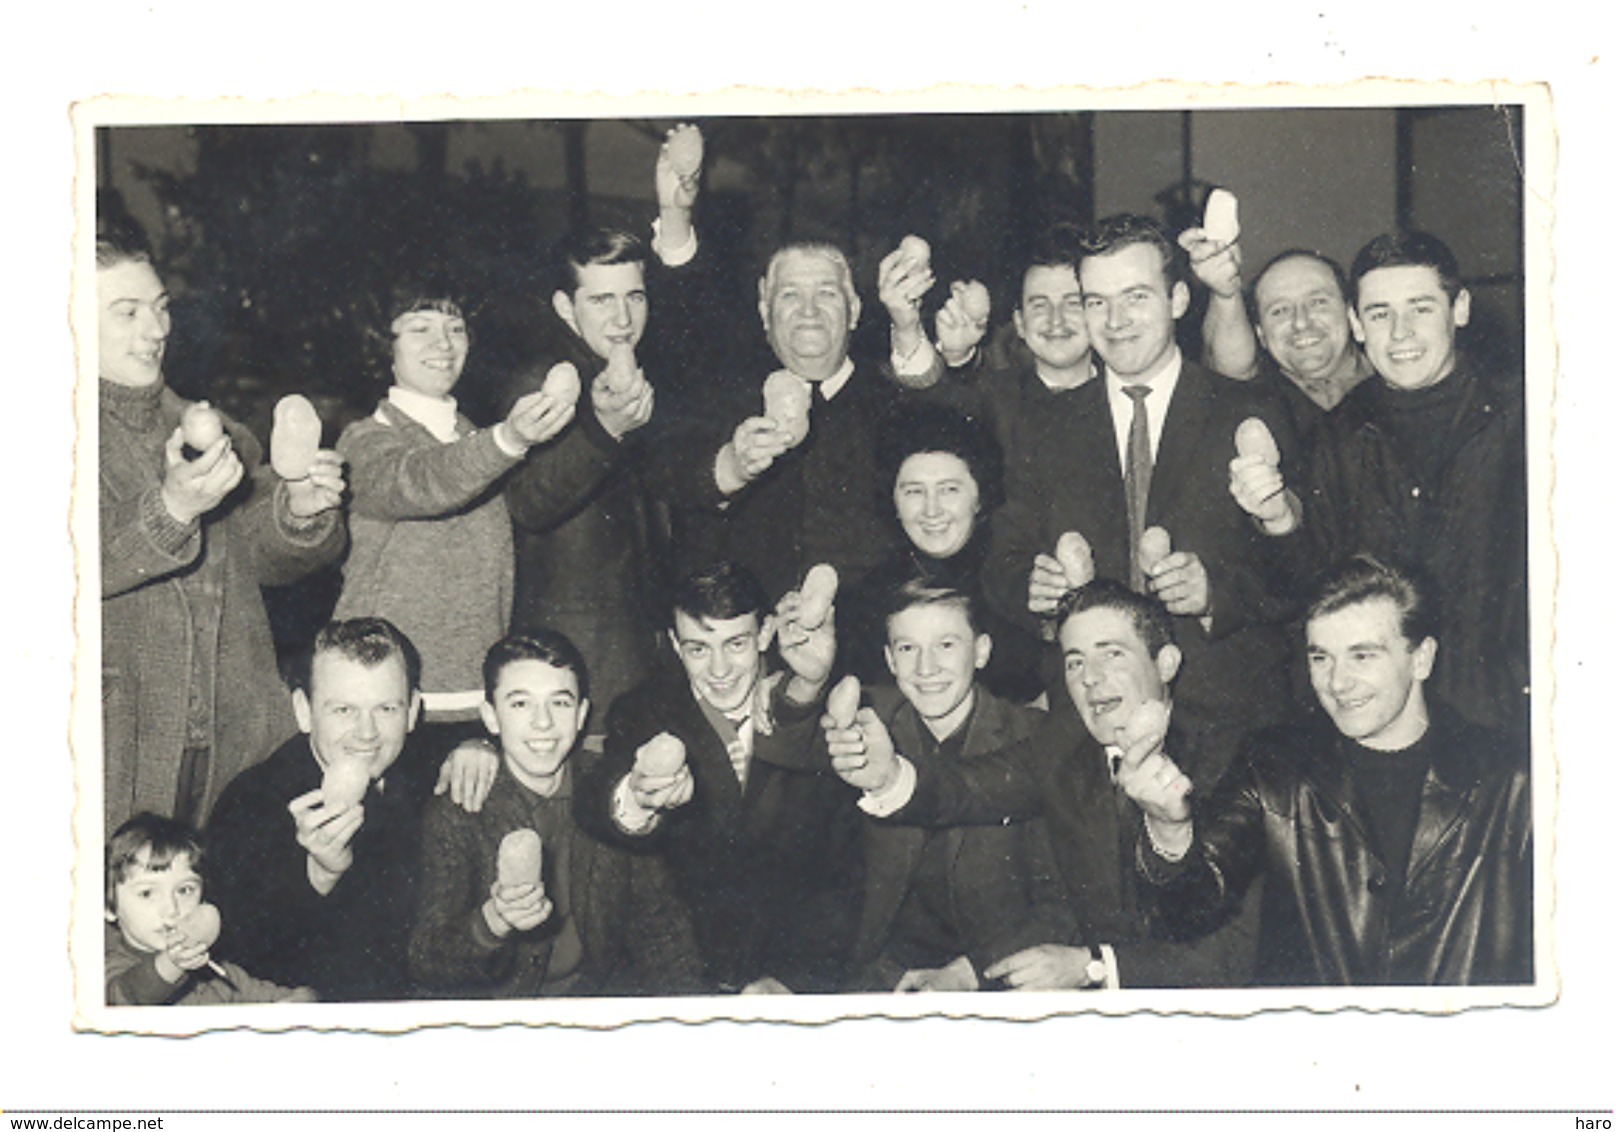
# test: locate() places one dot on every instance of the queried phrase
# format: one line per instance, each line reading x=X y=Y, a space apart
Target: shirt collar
x=835 y=381
x=436 y=415
x=1161 y=377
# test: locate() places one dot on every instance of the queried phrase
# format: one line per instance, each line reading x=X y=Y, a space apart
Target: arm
x=133 y=978
x=141 y=542
x=558 y=476
x=394 y=477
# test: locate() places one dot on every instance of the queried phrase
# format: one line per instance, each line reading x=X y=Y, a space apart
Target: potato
x=1253 y=438
x=843 y=702
x=344 y=782
x=1074 y=554
x=517 y=862
x=1148 y=718
x=976 y=301
x=201 y=425
x=621 y=373
x=916 y=250
x=661 y=756
x=1221 y=216
x=295 y=437
x=788 y=403
x=816 y=595
x=562 y=383
x=201 y=925
x=685 y=146
x=1156 y=544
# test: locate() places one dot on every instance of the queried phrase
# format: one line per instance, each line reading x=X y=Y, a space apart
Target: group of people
x=1040 y=659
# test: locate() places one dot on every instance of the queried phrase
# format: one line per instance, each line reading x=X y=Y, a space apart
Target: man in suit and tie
x=766 y=858
x=1144 y=464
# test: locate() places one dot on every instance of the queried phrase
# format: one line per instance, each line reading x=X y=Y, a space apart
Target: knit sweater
x=431 y=545
x=180 y=602
x=133 y=980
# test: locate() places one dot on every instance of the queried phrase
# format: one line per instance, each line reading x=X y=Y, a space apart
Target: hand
x=1048 y=585
x=661 y=791
x=468 y=773
x=537 y=417
x=677 y=186
x=518 y=909
x=1047 y=966
x=1157 y=785
x=902 y=283
x=1180 y=582
x=324 y=831
x=1256 y=485
x=808 y=653
x=956 y=328
x=863 y=755
x=185 y=954
x=766 y=985
x=1216 y=265
x=195 y=487
x=754 y=447
x=621 y=406
x=321 y=490
x=958 y=975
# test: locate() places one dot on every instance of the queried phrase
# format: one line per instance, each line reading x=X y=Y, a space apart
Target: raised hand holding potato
x=863 y=754
x=195 y=487
x=660 y=778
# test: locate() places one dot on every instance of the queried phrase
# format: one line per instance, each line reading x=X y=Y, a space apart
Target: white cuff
x=675 y=257
x=882 y=803
x=1111 y=978
x=517 y=453
x=915 y=364
x=629 y=814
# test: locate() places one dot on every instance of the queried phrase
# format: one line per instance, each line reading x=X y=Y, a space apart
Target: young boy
x=152 y=886
x=600 y=921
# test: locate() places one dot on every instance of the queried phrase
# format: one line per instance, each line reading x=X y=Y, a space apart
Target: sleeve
x=598 y=778
x=141 y=541
x=282 y=547
x=1223 y=958
x=993 y=789
x=133 y=979
x=557 y=477
x=1045 y=916
x=391 y=478
x=451 y=944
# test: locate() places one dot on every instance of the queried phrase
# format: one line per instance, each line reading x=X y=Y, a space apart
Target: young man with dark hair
x=766 y=858
x=1118 y=655
x=318 y=890
x=1395 y=844
x=1425 y=465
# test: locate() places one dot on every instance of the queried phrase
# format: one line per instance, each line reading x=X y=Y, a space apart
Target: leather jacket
x=1333 y=912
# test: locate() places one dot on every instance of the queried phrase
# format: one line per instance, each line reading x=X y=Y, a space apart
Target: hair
x=163 y=839
x=822 y=248
x=545 y=645
x=917 y=591
x=1148 y=617
x=1252 y=304
x=418 y=292
x=367 y=640
x=580 y=249
x=1365 y=577
x=1409 y=249
x=119 y=236
x=1057 y=246
x=1115 y=233
x=718 y=592
x=932 y=427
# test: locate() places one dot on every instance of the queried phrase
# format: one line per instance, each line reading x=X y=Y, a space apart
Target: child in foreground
x=159 y=930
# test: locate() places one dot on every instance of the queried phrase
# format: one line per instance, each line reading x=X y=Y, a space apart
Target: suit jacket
x=1001 y=878
x=1234 y=675
x=634 y=933
x=1457 y=911
x=770 y=870
x=1061 y=774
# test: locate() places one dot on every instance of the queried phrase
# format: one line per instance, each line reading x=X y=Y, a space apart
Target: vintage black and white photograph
x=779 y=565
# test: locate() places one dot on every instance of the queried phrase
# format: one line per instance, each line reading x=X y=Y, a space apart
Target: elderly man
x=1394 y=837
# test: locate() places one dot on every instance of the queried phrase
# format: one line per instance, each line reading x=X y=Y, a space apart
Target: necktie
x=1139 y=469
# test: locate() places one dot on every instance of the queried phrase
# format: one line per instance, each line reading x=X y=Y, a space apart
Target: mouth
x=1307 y=341
x=1404 y=357
x=1350 y=705
x=1102 y=707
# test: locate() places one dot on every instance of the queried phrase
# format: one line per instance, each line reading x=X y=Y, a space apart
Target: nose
x=1118 y=314
x=931 y=505
x=717 y=664
x=154 y=325
x=169 y=909
x=621 y=313
x=1340 y=678
x=1401 y=325
x=927 y=663
x=540 y=719
x=1298 y=319
x=365 y=725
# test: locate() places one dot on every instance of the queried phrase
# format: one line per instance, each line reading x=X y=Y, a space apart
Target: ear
x=1357 y=331
x=301 y=710
x=112 y=917
x=855 y=306
x=564 y=306
x=1460 y=308
x=765 y=307
x=982 y=650
x=581 y=714
x=675 y=643
x=1018 y=325
x=1424 y=659
x=889 y=659
x=1180 y=297
x=492 y=721
x=768 y=630
x=1168 y=662
x=414 y=710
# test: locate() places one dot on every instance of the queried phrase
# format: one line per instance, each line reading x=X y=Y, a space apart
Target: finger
x=172 y=449
x=912 y=981
x=304 y=803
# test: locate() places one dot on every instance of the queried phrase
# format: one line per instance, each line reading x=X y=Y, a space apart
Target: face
x=1368 y=677
x=132 y=323
x=1108 y=669
x=1130 y=314
x=430 y=349
x=537 y=715
x=937 y=501
x=1408 y=325
x=148 y=903
x=356 y=710
x=934 y=653
x=1305 y=323
x=808 y=313
x=1050 y=318
x=608 y=308
x=724 y=659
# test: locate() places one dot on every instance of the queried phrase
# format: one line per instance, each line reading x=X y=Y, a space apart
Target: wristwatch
x=1097 y=971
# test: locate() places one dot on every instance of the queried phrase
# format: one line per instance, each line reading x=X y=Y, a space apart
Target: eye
x=341 y=710
x=1073 y=664
x=1092 y=303
x=905 y=648
x=189 y=889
